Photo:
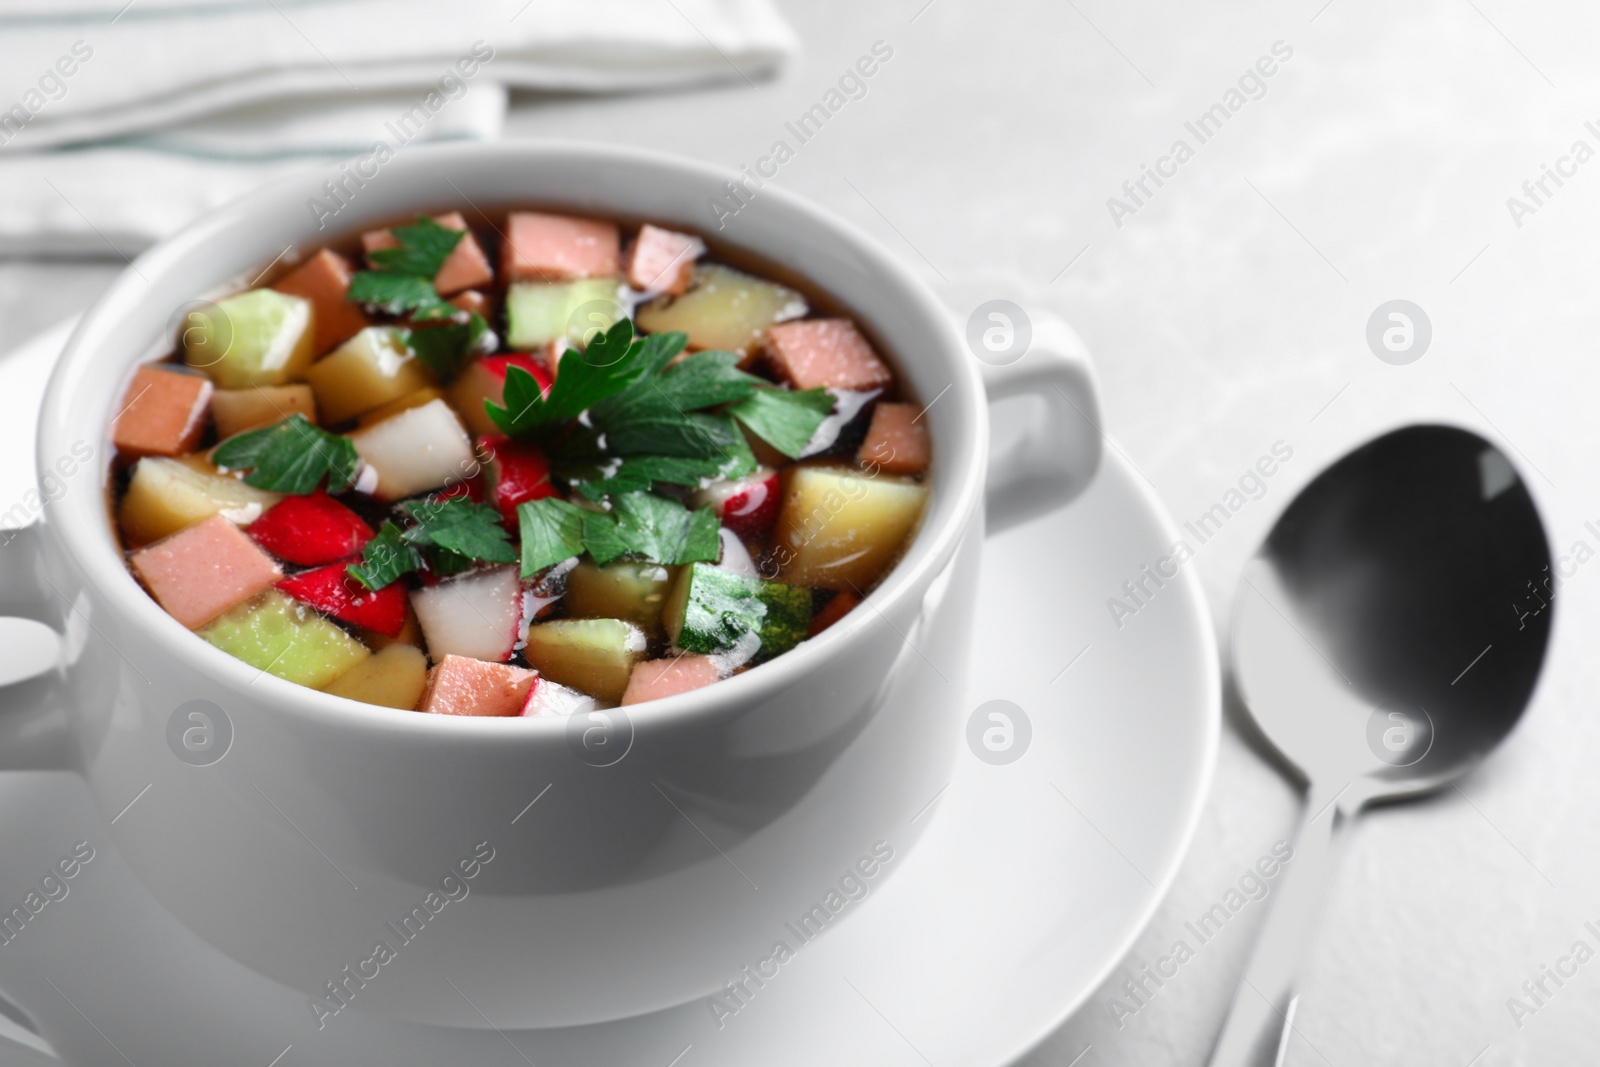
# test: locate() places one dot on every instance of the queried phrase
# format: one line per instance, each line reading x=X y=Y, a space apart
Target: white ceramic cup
x=622 y=888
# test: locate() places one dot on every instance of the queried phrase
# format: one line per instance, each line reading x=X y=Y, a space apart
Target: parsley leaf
x=398 y=294
x=639 y=473
x=552 y=530
x=613 y=361
x=445 y=349
x=702 y=380
x=292 y=456
x=659 y=529
x=461 y=527
x=422 y=249
x=385 y=558
x=784 y=418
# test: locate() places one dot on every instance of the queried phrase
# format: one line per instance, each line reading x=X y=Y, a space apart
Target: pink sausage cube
x=461 y=685
x=201 y=571
x=466 y=268
x=661 y=261
x=825 y=353
x=163 y=413
x=324 y=279
x=553 y=248
x=896 y=441
x=657 y=678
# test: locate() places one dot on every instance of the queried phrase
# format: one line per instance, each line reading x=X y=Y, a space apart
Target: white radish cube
x=552 y=698
x=419 y=449
x=477 y=615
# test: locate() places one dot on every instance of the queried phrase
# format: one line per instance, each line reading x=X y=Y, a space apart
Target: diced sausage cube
x=657 y=678
x=461 y=685
x=467 y=266
x=827 y=354
x=163 y=413
x=324 y=279
x=662 y=261
x=552 y=248
x=896 y=441
x=200 y=572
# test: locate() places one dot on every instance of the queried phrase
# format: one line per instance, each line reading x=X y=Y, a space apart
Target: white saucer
x=1032 y=881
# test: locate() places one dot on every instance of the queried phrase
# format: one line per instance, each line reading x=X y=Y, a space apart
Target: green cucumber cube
x=717 y=611
x=539 y=312
x=262 y=337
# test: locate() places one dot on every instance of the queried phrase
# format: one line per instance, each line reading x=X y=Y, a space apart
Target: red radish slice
x=477 y=615
x=332 y=591
x=552 y=698
x=747 y=506
x=517 y=472
x=310 y=530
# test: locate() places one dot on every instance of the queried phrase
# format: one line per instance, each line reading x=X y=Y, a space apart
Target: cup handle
x=1058 y=454
x=33 y=732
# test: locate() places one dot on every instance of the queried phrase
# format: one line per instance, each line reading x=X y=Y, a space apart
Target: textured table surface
x=1227 y=310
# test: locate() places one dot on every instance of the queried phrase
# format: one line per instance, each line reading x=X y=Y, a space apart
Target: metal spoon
x=1386 y=637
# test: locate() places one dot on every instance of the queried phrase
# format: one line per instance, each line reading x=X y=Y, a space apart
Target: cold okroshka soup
x=600 y=467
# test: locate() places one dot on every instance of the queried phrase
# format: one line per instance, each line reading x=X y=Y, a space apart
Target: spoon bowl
x=1387 y=636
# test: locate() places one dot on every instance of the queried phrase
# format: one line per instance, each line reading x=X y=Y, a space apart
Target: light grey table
x=1228 y=313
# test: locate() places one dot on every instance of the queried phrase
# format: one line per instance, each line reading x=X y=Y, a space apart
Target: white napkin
x=120 y=121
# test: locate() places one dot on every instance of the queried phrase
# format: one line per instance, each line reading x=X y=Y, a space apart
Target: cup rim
x=83 y=530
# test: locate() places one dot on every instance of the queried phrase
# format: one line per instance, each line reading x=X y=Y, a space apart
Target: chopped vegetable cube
x=393 y=677
x=747 y=506
x=374 y=367
x=841 y=529
x=662 y=261
x=163 y=413
x=540 y=312
x=417 y=450
x=594 y=655
x=540 y=247
x=461 y=685
x=261 y=337
x=311 y=530
x=427 y=394
x=635 y=592
x=477 y=614
x=551 y=698
x=516 y=472
x=274 y=634
x=237 y=410
x=332 y=591
x=826 y=354
x=166 y=495
x=201 y=572
x=897 y=440
x=659 y=678
x=324 y=279
x=713 y=610
x=466 y=268
x=724 y=309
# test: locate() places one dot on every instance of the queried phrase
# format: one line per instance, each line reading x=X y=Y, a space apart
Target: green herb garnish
x=612 y=362
x=448 y=536
x=401 y=281
x=552 y=530
x=385 y=558
x=784 y=418
x=446 y=348
x=292 y=456
x=640 y=524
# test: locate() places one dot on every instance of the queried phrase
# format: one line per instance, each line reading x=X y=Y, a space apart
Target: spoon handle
x=1257 y=1028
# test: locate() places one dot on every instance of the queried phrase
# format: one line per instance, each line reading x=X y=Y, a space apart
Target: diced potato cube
x=662 y=261
x=896 y=441
x=237 y=410
x=724 y=309
x=841 y=529
x=540 y=312
x=275 y=634
x=163 y=413
x=541 y=247
x=636 y=592
x=202 y=571
x=372 y=368
x=826 y=354
x=659 y=678
x=393 y=677
x=461 y=685
x=324 y=279
x=426 y=395
x=594 y=655
x=466 y=267
x=421 y=448
x=166 y=495
x=262 y=337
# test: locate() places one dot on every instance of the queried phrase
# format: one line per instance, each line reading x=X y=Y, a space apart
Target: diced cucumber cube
x=594 y=655
x=262 y=337
x=539 y=312
x=717 y=611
